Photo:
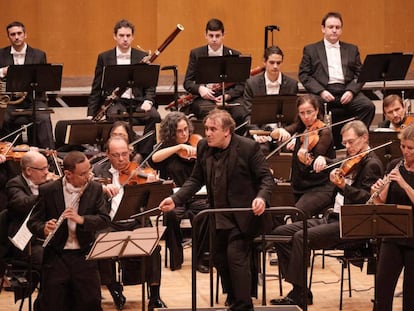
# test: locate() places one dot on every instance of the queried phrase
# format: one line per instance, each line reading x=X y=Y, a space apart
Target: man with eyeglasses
x=352 y=186
x=118 y=153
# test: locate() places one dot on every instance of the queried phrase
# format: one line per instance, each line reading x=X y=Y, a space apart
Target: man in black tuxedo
x=20 y=53
x=208 y=97
x=140 y=99
x=330 y=69
x=236 y=174
x=69 y=281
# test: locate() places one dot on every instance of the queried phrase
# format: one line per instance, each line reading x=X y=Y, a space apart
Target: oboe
x=387 y=180
x=61 y=218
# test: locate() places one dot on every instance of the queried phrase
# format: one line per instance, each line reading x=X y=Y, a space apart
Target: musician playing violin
x=312 y=191
x=395 y=114
x=352 y=186
x=176 y=161
x=116 y=169
x=397 y=253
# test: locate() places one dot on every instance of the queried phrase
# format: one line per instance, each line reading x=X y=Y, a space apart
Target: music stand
x=375 y=221
x=2 y=114
x=273 y=108
x=223 y=69
x=129 y=76
x=385 y=67
x=81 y=132
x=34 y=78
x=389 y=152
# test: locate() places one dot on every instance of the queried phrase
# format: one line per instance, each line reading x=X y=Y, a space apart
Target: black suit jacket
x=20 y=202
x=92 y=207
x=256 y=86
x=313 y=69
x=98 y=95
x=248 y=177
x=190 y=84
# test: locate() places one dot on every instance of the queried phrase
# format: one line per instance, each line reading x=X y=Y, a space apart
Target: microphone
x=272 y=27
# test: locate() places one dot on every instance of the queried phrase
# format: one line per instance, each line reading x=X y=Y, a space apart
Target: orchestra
x=66 y=199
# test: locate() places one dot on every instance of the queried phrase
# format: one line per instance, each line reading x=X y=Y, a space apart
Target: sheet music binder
x=273 y=108
x=137 y=75
x=87 y=132
x=385 y=220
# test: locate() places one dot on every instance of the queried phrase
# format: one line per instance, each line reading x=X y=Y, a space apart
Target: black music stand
x=87 y=132
x=385 y=67
x=223 y=69
x=273 y=108
x=389 y=152
x=129 y=76
x=375 y=221
x=2 y=114
x=34 y=78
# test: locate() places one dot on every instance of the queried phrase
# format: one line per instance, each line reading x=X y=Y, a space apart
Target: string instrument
x=147 y=59
x=309 y=140
x=186 y=100
x=192 y=141
x=135 y=174
x=408 y=121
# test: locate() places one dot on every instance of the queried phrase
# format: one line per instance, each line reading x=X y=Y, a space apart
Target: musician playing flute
x=140 y=98
x=69 y=281
x=397 y=254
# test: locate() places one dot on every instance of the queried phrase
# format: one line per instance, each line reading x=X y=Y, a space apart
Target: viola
x=135 y=174
x=192 y=141
x=13 y=153
x=309 y=140
x=408 y=121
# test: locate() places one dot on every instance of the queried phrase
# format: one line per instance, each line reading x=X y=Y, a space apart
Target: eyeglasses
x=118 y=155
x=46 y=168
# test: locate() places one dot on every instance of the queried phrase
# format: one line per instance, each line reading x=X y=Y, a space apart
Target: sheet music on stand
x=23 y=235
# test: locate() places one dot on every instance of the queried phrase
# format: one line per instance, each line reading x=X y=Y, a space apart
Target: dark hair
x=332 y=14
x=390 y=99
x=311 y=99
x=272 y=50
x=215 y=24
x=15 y=24
x=131 y=134
x=168 y=127
x=224 y=117
x=73 y=158
x=123 y=23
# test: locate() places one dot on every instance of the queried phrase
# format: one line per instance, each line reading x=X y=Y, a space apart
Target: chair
x=349 y=252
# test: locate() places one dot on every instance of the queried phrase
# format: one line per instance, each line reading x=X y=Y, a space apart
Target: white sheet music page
x=23 y=236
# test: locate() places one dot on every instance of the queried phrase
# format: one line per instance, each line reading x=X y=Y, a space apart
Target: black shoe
x=118 y=298
x=178 y=267
x=229 y=301
x=156 y=303
x=283 y=301
x=203 y=269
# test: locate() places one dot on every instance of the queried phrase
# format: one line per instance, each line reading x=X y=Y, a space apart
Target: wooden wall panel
x=73 y=32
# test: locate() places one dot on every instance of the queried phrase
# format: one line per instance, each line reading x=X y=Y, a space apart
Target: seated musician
x=352 y=181
x=312 y=191
x=396 y=253
x=119 y=163
x=138 y=98
x=395 y=114
x=271 y=82
x=20 y=53
x=175 y=161
x=209 y=96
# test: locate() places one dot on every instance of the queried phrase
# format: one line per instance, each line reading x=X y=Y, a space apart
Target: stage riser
x=262 y=308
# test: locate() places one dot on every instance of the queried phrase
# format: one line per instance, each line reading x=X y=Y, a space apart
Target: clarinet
x=62 y=218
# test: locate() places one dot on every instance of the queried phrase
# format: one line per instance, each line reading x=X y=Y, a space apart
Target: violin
x=192 y=141
x=309 y=140
x=135 y=174
x=13 y=153
x=408 y=121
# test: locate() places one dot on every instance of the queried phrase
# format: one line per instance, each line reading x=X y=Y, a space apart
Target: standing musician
x=69 y=281
x=176 y=161
x=141 y=99
x=352 y=181
x=20 y=53
x=119 y=165
x=271 y=82
x=395 y=254
x=236 y=174
x=395 y=114
x=312 y=191
x=208 y=98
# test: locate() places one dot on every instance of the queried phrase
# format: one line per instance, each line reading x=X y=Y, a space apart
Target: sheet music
x=68 y=128
x=23 y=236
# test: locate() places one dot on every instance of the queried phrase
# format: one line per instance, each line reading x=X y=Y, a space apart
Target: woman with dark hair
x=175 y=161
x=312 y=191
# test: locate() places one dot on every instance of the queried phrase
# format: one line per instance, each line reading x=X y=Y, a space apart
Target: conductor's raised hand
x=167 y=205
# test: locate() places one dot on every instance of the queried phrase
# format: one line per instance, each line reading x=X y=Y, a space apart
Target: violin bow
x=24 y=127
x=281 y=146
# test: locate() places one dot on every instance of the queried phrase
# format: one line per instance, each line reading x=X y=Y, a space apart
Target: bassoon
x=147 y=59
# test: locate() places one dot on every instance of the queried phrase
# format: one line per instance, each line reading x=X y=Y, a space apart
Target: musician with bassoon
x=77 y=204
x=20 y=53
x=271 y=82
x=140 y=98
x=120 y=170
x=395 y=114
x=352 y=181
x=396 y=254
x=210 y=96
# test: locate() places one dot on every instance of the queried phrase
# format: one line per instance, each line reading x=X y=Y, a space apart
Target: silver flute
x=61 y=217
x=387 y=180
